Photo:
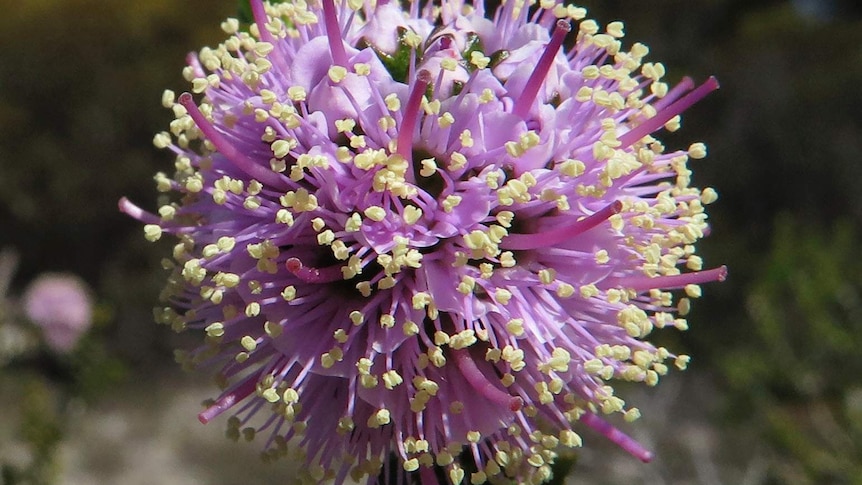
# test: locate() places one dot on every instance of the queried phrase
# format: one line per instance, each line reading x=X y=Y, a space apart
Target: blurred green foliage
x=799 y=376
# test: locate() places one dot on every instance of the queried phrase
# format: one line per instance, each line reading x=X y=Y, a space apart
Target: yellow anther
x=450 y=202
x=515 y=327
x=325 y=238
x=445 y=120
x=616 y=29
x=267 y=96
x=248 y=343
x=289 y=293
x=378 y=419
x=463 y=339
x=456 y=475
x=693 y=291
x=457 y=161
x=467 y=284
x=503 y=296
x=392 y=102
x=337 y=73
x=708 y=195
x=387 y=321
x=391 y=379
x=270 y=395
x=565 y=290
x=152 y=232
x=375 y=213
x=479 y=59
x=412 y=214
x=505 y=218
x=570 y=438
x=547 y=276
x=448 y=64
x=340 y=336
x=272 y=329
x=507 y=259
x=215 y=329
x=410 y=328
x=345 y=125
x=297 y=93
x=602 y=256
x=697 y=151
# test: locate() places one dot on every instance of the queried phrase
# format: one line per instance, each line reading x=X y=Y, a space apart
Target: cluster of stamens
x=421 y=233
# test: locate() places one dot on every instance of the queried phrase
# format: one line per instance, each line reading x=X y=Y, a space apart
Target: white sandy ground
x=147 y=434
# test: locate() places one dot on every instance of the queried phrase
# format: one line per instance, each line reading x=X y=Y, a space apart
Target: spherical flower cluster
x=61 y=306
x=420 y=241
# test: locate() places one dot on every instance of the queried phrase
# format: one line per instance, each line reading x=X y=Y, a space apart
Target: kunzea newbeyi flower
x=421 y=241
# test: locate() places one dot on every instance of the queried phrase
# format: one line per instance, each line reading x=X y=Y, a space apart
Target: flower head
x=61 y=306
x=423 y=238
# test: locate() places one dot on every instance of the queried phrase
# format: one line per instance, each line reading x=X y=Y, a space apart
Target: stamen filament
x=523 y=103
x=520 y=242
x=226 y=148
x=481 y=384
x=617 y=437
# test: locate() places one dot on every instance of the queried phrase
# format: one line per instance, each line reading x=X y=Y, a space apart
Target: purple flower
x=420 y=240
x=61 y=306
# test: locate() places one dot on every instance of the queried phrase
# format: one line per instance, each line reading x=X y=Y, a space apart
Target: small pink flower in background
x=61 y=306
x=422 y=240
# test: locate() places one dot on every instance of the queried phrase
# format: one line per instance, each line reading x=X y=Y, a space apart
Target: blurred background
x=774 y=392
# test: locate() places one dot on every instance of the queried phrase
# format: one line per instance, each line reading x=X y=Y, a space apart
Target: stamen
x=663 y=116
x=642 y=283
x=481 y=384
x=313 y=275
x=226 y=148
x=523 y=103
x=519 y=242
x=333 y=33
x=229 y=399
x=617 y=437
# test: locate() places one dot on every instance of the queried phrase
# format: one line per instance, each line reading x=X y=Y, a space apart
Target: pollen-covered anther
x=380 y=418
x=462 y=339
x=391 y=379
x=559 y=361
